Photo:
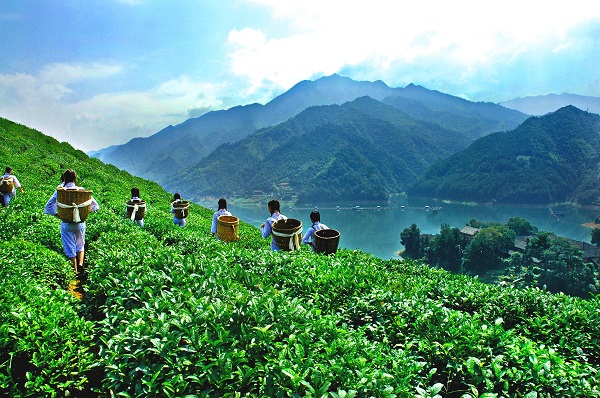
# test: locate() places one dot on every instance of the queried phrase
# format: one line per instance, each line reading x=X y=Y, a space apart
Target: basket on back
x=181 y=209
x=326 y=241
x=74 y=204
x=7 y=185
x=136 y=210
x=228 y=228
x=287 y=234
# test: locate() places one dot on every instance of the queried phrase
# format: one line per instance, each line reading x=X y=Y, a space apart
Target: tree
x=596 y=236
x=521 y=226
x=487 y=248
x=410 y=238
x=445 y=250
x=562 y=269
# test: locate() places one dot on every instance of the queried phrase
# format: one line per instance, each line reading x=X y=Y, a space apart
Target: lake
x=377 y=231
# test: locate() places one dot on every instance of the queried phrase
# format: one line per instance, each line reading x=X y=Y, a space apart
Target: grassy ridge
x=169 y=311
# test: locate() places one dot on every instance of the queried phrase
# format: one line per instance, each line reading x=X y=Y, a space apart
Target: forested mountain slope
x=177 y=147
x=552 y=158
x=184 y=144
x=170 y=312
x=361 y=150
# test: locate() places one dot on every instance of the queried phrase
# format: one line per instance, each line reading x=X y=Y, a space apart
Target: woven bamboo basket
x=326 y=241
x=7 y=185
x=141 y=211
x=182 y=209
x=290 y=227
x=228 y=228
x=70 y=197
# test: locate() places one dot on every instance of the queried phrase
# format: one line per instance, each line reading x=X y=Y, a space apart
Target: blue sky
x=100 y=72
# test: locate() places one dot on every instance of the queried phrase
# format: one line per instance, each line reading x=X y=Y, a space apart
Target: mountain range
x=542 y=104
x=177 y=147
x=364 y=150
x=547 y=159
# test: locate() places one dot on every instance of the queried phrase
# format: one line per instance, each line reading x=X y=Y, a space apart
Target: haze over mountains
x=335 y=138
x=177 y=147
x=542 y=104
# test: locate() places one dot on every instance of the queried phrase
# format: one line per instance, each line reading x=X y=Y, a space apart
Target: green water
x=377 y=231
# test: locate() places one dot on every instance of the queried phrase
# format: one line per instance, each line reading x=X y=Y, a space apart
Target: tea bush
x=170 y=311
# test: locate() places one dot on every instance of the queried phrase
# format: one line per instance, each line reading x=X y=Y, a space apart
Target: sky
x=101 y=72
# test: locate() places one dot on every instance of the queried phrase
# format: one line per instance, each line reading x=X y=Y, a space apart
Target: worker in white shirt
x=7 y=179
x=222 y=204
x=267 y=228
x=309 y=237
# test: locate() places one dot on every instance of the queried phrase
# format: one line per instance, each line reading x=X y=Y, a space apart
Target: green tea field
x=171 y=312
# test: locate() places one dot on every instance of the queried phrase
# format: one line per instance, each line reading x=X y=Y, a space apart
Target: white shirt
x=268 y=228
x=310 y=233
x=14 y=180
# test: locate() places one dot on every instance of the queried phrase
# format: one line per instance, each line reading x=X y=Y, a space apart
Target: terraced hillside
x=170 y=312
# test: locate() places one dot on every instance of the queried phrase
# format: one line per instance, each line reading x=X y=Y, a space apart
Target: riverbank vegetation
x=514 y=254
x=170 y=312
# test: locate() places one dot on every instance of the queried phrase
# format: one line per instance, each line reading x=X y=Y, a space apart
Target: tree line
x=547 y=261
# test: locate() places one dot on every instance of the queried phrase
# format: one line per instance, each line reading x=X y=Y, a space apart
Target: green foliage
x=553 y=158
x=410 y=239
x=596 y=236
x=445 y=250
x=562 y=269
x=361 y=150
x=521 y=226
x=170 y=311
x=487 y=248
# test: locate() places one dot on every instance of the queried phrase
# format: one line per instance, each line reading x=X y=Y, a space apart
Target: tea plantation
x=170 y=312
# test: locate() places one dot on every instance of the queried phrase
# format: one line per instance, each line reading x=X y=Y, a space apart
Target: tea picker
x=136 y=208
x=309 y=237
x=180 y=209
x=267 y=228
x=224 y=226
x=8 y=186
x=72 y=204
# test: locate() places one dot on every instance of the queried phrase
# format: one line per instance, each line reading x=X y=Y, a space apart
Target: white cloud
x=329 y=36
x=44 y=102
x=64 y=73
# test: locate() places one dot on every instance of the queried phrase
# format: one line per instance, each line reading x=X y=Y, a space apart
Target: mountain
x=474 y=119
x=361 y=150
x=542 y=104
x=176 y=147
x=552 y=158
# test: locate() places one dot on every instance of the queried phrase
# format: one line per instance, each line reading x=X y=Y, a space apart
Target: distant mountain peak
x=543 y=104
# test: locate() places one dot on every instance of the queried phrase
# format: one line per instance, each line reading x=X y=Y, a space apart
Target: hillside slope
x=170 y=312
x=553 y=158
x=361 y=150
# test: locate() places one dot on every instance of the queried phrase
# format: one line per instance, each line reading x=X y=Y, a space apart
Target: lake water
x=377 y=231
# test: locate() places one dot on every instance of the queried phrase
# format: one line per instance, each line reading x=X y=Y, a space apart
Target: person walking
x=71 y=233
x=309 y=237
x=8 y=186
x=267 y=228
x=135 y=200
x=177 y=220
x=222 y=204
